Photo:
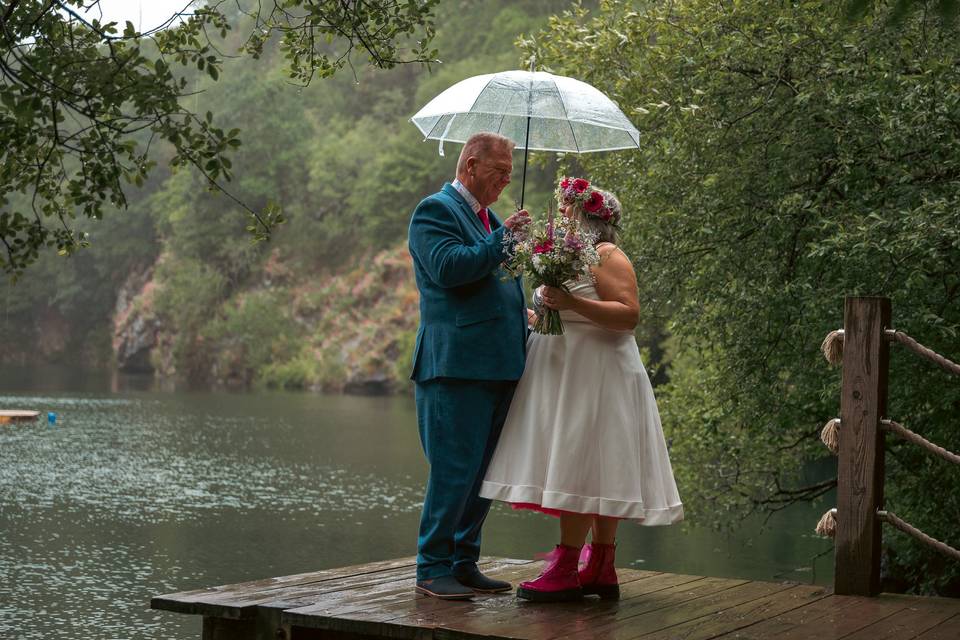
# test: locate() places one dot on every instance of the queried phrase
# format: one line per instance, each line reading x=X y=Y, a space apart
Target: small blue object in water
x=51 y=417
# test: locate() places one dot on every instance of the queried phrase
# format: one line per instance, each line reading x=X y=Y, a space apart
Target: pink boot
x=559 y=581
x=597 y=573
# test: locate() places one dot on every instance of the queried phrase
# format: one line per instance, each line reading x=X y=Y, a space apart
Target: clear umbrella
x=535 y=109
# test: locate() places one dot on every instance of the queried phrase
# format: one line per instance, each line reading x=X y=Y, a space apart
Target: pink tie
x=485 y=219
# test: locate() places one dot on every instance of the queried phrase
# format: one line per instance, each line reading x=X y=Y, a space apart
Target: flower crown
x=579 y=191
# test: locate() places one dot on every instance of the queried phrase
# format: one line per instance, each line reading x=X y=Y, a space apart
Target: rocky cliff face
x=135 y=327
x=362 y=323
x=353 y=330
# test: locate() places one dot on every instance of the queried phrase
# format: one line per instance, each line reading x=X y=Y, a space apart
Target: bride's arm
x=618 y=308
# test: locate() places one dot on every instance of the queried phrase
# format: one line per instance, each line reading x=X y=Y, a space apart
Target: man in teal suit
x=470 y=351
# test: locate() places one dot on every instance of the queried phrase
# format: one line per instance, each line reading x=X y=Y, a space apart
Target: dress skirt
x=583 y=433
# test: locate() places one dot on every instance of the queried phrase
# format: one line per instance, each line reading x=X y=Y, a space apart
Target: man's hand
x=518 y=220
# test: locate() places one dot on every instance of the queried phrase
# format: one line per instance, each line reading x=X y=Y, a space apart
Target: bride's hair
x=605 y=230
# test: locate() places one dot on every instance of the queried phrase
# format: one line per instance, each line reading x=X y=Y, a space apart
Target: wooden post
x=215 y=628
x=863 y=403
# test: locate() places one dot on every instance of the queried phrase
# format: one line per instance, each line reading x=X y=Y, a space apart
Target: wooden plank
x=371 y=593
x=299 y=578
x=241 y=603
x=807 y=615
x=743 y=615
x=847 y=620
x=946 y=630
x=860 y=464
x=341 y=611
x=194 y=601
x=357 y=603
x=536 y=620
x=919 y=616
x=220 y=629
x=519 y=618
x=670 y=614
x=511 y=617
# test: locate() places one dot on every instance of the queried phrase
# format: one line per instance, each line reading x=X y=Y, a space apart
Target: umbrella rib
x=500 y=126
x=479 y=93
x=566 y=117
x=437 y=123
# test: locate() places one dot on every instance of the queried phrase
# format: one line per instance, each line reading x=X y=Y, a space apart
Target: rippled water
x=133 y=494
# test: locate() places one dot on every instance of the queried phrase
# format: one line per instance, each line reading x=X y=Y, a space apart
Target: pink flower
x=594 y=203
x=580 y=185
x=543 y=247
x=572 y=242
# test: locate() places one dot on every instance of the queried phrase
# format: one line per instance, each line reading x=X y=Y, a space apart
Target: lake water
x=136 y=492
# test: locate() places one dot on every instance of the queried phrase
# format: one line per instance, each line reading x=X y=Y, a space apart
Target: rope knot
x=830 y=435
x=832 y=347
x=827 y=527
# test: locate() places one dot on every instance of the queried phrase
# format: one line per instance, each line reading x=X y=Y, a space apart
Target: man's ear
x=471 y=165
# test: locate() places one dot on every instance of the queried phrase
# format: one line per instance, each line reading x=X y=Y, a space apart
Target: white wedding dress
x=583 y=433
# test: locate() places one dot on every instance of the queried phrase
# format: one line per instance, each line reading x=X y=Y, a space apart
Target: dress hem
x=559 y=501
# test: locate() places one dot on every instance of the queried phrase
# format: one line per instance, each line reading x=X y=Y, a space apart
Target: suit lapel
x=465 y=210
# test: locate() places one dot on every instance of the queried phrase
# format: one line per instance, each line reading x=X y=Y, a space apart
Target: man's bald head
x=481 y=145
x=485 y=164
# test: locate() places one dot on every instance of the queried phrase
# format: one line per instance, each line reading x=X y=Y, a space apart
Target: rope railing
x=832 y=349
x=920 y=441
x=922 y=351
x=830 y=436
x=827 y=527
x=856 y=523
x=891 y=519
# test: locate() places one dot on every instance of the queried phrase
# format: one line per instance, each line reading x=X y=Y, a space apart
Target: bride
x=583 y=439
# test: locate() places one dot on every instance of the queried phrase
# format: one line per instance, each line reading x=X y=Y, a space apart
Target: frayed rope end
x=827 y=527
x=832 y=347
x=830 y=435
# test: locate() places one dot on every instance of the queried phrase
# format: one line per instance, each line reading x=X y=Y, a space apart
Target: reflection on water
x=134 y=493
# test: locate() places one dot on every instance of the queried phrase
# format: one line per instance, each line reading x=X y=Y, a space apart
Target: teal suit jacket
x=473 y=323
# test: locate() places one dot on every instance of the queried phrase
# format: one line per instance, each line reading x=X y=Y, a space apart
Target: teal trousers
x=459 y=422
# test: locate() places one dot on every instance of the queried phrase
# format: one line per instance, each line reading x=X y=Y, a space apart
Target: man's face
x=492 y=175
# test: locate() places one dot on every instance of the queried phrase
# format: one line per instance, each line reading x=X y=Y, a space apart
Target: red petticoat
x=556 y=513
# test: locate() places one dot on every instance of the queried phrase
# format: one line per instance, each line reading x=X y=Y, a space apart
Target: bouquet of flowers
x=552 y=254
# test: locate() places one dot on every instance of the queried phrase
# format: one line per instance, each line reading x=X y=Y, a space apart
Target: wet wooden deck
x=377 y=600
x=8 y=416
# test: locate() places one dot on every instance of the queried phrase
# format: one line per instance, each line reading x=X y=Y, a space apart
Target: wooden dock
x=14 y=416
x=378 y=601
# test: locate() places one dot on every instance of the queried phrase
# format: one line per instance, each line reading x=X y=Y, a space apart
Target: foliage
x=947 y=9
x=790 y=158
x=81 y=103
x=254 y=332
x=190 y=292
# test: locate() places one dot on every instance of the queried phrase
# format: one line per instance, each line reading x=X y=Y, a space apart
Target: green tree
x=82 y=103
x=789 y=158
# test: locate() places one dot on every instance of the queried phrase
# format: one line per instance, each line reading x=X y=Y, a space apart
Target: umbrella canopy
x=535 y=109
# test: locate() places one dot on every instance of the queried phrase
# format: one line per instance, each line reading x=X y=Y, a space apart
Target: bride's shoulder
x=607 y=249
